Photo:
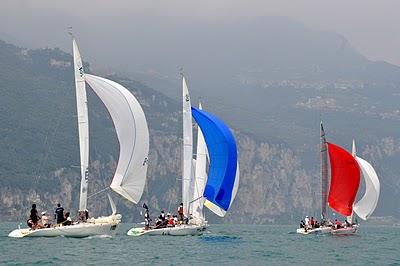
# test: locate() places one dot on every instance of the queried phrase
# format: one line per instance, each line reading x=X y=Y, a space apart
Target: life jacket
x=180 y=210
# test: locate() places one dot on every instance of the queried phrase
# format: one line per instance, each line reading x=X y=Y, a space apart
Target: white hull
x=103 y=226
x=321 y=230
x=329 y=230
x=346 y=230
x=180 y=230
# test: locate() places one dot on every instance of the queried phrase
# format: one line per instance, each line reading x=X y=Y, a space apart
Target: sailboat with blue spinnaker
x=216 y=189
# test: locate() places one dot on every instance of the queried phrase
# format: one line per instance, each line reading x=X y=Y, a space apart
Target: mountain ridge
x=39 y=145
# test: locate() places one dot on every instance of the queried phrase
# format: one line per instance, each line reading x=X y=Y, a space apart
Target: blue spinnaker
x=222 y=150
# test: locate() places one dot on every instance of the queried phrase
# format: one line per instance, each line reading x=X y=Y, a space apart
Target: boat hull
x=321 y=230
x=78 y=230
x=346 y=230
x=329 y=230
x=181 y=230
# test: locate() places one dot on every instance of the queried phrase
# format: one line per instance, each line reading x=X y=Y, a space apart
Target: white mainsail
x=187 y=148
x=367 y=204
x=133 y=135
x=200 y=177
x=83 y=124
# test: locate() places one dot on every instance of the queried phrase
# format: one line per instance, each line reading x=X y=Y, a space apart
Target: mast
x=324 y=172
x=187 y=147
x=83 y=124
x=354 y=154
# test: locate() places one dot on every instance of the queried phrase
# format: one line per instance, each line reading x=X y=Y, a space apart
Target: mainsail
x=200 y=176
x=83 y=124
x=367 y=204
x=345 y=179
x=133 y=136
x=221 y=145
x=187 y=171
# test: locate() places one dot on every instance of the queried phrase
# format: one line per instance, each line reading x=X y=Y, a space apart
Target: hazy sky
x=370 y=25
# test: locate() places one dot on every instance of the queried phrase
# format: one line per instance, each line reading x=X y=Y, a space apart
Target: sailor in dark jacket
x=59 y=214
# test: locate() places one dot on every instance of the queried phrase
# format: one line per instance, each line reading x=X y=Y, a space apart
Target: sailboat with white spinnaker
x=343 y=171
x=130 y=175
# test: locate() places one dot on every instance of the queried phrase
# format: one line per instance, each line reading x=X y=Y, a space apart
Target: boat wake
x=98 y=237
x=221 y=239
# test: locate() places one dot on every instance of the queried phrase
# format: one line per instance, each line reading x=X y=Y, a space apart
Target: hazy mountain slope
x=276 y=79
x=276 y=129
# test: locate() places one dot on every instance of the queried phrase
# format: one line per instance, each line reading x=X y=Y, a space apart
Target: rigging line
x=50 y=141
x=98 y=192
x=195 y=199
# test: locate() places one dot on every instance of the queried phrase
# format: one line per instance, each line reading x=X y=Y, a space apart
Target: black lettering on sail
x=81 y=71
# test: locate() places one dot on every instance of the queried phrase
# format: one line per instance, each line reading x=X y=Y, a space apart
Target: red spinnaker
x=345 y=179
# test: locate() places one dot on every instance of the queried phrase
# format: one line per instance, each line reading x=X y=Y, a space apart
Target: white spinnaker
x=187 y=148
x=83 y=124
x=200 y=178
x=133 y=136
x=367 y=204
x=218 y=210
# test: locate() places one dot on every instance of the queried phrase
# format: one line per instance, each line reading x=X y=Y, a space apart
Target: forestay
x=222 y=149
x=133 y=135
x=83 y=124
x=366 y=206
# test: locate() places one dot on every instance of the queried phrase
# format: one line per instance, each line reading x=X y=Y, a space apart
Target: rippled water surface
x=221 y=245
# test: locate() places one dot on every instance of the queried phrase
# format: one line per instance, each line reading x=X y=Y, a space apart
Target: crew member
x=34 y=217
x=45 y=220
x=59 y=214
x=180 y=212
x=147 y=219
x=338 y=224
x=67 y=220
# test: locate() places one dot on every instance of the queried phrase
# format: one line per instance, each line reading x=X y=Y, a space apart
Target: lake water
x=221 y=245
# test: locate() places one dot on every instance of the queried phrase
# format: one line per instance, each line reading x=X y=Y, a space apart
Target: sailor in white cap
x=307 y=221
x=45 y=219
